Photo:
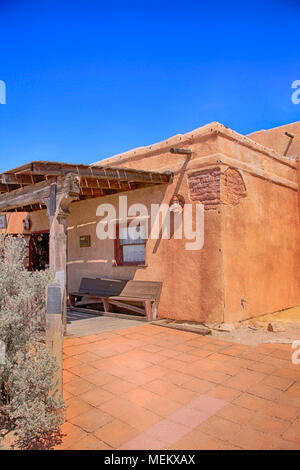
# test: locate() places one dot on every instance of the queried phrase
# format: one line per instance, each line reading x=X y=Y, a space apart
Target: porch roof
x=95 y=181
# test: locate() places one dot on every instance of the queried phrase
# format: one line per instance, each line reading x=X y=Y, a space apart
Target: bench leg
x=73 y=299
x=107 y=306
x=148 y=310
x=154 y=311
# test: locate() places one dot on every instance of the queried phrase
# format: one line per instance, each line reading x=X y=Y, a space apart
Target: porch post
x=58 y=211
x=58 y=258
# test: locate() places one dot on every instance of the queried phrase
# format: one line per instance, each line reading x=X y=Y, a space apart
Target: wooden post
x=54 y=331
x=60 y=197
x=58 y=258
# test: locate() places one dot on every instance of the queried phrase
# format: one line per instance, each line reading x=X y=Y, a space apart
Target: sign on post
x=54 y=330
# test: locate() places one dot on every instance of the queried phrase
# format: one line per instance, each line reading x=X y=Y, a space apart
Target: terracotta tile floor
x=147 y=387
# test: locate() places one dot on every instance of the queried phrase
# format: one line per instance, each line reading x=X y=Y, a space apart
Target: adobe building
x=248 y=186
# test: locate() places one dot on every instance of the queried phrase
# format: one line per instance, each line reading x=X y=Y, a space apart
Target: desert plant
x=28 y=406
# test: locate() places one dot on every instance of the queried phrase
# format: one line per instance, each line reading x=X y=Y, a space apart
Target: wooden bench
x=117 y=293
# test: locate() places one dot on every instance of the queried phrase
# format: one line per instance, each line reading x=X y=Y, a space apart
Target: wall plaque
x=85 y=241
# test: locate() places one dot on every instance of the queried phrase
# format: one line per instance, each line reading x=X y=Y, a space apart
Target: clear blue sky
x=89 y=79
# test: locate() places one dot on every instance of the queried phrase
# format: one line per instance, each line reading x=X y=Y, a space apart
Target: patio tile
x=261 y=367
x=85 y=357
x=91 y=420
x=70 y=362
x=244 y=380
x=219 y=428
x=189 y=417
x=214 y=376
x=200 y=353
x=251 y=439
x=160 y=387
x=168 y=353
x=177 y=378
x=187 y=357
x=282 y=411
x=117 y=406
x=174 y=364
x=115 y=433
x=163 y=406
x=293 y=433
x=68 y=376
x=167 y=431
x=151 y=348
x=182 y=395
x=143 y=442
x=90 y=443
x=236 y=414
x=71 y=434
x=75 y=407
x=224 y=393
x=280 y=383
x=207 y=404
x=118 y=386
x=294 y=390
x=199 y=385
x=82 y=370
x=196 y=440
x=97 y=396
x=139 y=378
x=139 y=418
x=100 y=378
x=268 y=424
x=263 y=391
x=78 y=386
x=251 y=402
x=67 y=395
x=151 y=388
x=156 y=371
x=140 y=396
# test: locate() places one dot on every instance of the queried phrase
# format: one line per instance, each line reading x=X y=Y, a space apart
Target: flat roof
x=95 y=181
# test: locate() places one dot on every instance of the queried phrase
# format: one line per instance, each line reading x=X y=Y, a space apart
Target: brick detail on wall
x=205 y=187
x=232 y=187
x=212 y=187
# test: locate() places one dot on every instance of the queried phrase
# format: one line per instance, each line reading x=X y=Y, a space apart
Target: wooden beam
x=92 y=192
x=37 y=193
x=13 y=179
x=30 y=208
x=106 y=184
x=5 y=188
x=122 y=174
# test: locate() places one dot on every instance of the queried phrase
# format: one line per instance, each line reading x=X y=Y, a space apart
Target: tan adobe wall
x=248 y=264
x=260 y=236
x=192 y=280
x=277 y=139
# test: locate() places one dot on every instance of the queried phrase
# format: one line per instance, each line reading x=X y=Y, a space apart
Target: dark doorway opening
x=39 y=251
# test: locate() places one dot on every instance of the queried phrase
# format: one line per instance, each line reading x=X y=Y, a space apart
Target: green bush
x=28 y=407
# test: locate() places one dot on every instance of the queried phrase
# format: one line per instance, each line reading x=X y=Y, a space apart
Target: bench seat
x=120 y=294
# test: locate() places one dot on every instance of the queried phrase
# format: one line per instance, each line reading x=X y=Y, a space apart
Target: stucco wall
x=260 y=238
x=249 y=262
x=38 y=222
x=192 y=280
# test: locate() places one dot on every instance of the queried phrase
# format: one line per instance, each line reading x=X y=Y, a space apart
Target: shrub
x=28 y=406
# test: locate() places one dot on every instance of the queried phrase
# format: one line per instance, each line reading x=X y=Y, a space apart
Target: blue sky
x=88 y=79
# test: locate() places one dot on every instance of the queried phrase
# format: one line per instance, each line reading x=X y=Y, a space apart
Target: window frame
x=119 y=252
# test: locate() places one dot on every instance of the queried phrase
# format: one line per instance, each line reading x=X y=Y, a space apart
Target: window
x=130 y=249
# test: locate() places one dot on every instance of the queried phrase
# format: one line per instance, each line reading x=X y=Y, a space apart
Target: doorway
x=39 y=251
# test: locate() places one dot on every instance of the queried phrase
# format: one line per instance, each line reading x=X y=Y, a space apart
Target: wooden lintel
x=97 y=183
x=15 y=179
x=5 y=188
x=118 y=174
x=39 y=192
